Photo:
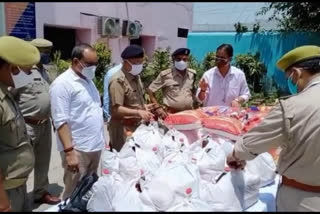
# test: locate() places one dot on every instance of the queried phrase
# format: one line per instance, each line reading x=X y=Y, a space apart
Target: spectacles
x=220 y=58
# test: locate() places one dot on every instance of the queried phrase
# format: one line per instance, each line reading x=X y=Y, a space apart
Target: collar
x=74 y=75
x=176 y=73
x=311 y=82
x=230 y=72
x=129 y=76
x=3 y=91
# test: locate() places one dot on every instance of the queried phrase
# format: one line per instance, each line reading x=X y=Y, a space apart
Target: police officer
x=16 y=154
x=127 y=103
x=45 y=65
x=34 y=103
x=293 y=125
x=177 y=84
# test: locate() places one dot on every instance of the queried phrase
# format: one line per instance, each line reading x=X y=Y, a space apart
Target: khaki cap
x=41 y=43
x=299 y=54
x=18 y=52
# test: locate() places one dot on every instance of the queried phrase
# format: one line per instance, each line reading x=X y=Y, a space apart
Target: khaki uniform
x=16 y=154
x=34 y=103
x=178 y=91
x=125 y=90
x=294 y=126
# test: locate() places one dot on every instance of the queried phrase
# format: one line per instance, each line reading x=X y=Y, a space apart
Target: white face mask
x=135 y=69
x=88 y=72
x=21 y=79
x=180 y=65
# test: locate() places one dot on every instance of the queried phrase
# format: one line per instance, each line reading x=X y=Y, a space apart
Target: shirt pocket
x=10 y=131
x=234 y=91
x=174 y=89
x=131 y=96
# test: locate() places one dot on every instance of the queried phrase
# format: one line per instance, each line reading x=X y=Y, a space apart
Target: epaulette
x=165 y=72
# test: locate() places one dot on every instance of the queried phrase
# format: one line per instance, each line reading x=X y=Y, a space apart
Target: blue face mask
x=45 y=58
x=293 y=88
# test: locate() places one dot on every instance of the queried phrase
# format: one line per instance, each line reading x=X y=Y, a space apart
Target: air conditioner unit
x=131 y=29
x=109 y=27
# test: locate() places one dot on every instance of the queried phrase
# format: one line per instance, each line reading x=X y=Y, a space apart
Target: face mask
x=293 y=88
x=88 y=72
x=180 y=65
x=21 y=79
x=135 y=69
x=45 y=58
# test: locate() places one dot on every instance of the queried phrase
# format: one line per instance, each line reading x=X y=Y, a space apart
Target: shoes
x=47 y=198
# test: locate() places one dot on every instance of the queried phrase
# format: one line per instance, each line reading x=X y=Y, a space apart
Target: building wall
x=159 y=20
x=2 y=20
x=270 y=45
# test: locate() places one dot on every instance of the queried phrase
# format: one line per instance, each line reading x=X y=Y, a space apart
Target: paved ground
x=55 y=177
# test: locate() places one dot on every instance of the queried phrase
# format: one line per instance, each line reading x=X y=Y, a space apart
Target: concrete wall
x=159 y=20
x=270 y=45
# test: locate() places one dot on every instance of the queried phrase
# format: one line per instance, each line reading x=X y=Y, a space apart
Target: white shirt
x=223 y=90
x=77 y=102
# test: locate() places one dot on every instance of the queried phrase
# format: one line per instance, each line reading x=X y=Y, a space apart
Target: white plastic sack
x=248 y=185
x=148 y=138
x=210 y=160
x=263 y=166
x=175 y=157
x=191 y=205
x=103 y=193
x=110 y=161
x=179 y=182
x=148 y=161
x=222 y=196
x=174 y=141
x=127 y=198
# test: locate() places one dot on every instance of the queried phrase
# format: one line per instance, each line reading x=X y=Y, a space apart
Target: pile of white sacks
x=166 y=172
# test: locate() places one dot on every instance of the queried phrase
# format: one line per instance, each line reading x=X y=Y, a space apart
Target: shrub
x=253 y=69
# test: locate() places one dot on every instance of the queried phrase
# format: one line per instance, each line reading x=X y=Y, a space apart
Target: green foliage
x=197 y=66
x=161 y=60
x=253 y=69
x=240 y=28
x=209 y=60
x=61 y=64
x=294 y=16
x=104 y=60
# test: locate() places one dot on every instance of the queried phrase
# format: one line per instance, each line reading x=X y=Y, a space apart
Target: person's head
x=180 y=58
x=300 y=65
x=44 y=46
x=133 y=56
x=84 y=61
x=16 y=59
x=223 y=56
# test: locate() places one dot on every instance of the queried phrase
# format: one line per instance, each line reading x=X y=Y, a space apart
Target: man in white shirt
x=223 y=84
x=78 y=117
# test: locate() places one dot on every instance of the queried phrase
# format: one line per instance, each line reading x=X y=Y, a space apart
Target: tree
x=294 y=16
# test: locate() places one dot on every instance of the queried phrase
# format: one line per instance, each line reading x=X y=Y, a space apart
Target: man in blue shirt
x=106 y=100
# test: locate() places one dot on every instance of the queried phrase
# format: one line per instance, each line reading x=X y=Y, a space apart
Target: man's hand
x=145 y=115
x=203 y=85
x=151 y=106
x=235 y=103
x=235 y=163
x=4 y=200
x=161 y=113
x=72 y=161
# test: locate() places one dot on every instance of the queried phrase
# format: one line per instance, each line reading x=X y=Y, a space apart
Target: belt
x=295 y=184
x=34 y=121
